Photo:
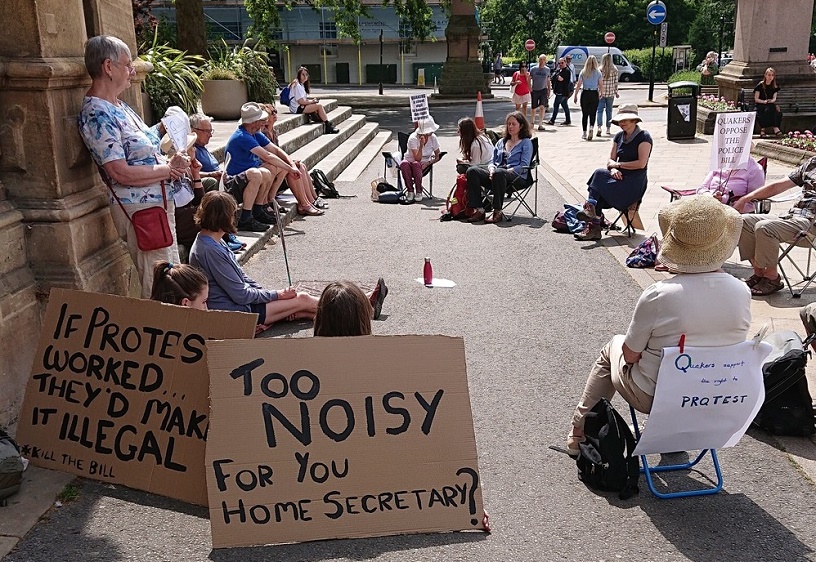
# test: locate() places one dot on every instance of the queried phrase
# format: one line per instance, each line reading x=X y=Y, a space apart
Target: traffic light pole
x=651 y=70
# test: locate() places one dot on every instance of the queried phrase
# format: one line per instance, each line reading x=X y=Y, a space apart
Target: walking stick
x=283 y=240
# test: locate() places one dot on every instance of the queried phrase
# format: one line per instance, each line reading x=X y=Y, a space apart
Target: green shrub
x=643 y=59
x=174 y=80
x=217 y=73
x=685 y=76
x=247 y=64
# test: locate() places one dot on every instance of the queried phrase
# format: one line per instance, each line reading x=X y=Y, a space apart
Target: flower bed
x=803 y=141
x=718 y=104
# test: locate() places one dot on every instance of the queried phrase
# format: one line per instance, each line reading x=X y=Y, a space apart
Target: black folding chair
x=518 y=190
x=389 y=160
x=628 y=214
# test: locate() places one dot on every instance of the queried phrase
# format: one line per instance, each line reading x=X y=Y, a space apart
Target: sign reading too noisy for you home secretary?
x=323 y=438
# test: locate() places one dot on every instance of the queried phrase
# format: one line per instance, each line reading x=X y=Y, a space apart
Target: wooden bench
x=798 y=105
x=712 y=90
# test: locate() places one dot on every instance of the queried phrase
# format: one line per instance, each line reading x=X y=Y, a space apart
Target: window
x=408 y=48
x=404 y=29
x=619 y=60
x=328 y=30
x=330 y=51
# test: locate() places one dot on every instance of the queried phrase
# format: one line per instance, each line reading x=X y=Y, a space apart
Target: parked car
x=726 y=58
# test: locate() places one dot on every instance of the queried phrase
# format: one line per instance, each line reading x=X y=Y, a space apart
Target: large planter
x=786 y=154
x=222 y=99
x=707 y=120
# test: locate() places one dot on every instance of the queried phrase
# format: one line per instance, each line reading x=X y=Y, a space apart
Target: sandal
x=753 y=280
x=763 y=135
x=310 y=212
x=779 y=133
x=767 y=287
x=497 y=217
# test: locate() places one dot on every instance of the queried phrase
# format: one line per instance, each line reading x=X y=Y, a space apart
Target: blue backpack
x=284 y=96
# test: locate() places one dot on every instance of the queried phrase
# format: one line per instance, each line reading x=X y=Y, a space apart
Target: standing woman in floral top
x=127 y=150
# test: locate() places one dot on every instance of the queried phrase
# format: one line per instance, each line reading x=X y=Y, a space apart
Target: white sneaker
x=583 y=135
x=409 y=197
x=607 y=131
x=418 y=197
x=589 y=135
x=599 y=132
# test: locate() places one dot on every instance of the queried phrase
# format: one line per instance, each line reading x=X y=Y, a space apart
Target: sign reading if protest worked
x=324 y=438
x=118 y=391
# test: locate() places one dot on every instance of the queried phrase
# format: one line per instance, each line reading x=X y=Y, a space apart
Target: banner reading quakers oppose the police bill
x=731 y=147
x=118 y=391
x=324 y=438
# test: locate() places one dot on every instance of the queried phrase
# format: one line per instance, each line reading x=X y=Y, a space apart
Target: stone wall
x=55 y=227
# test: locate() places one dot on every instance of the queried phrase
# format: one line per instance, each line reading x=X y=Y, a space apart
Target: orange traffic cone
x=479 y=117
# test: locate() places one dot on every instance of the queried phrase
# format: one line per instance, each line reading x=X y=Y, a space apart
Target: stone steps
x=348 y=152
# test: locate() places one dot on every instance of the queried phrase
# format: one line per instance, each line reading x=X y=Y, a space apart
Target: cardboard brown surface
x=394 y=469
x=119 y=391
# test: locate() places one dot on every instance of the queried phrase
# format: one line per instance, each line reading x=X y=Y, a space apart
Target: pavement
x=534 y=307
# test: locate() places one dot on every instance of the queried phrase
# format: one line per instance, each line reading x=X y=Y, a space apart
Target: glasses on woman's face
x=128 y=65
x=205 y=131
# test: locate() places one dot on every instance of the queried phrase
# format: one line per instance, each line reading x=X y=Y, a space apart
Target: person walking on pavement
x=541 y=90
x=609 y=87
x=521 y=94
x=498 y=65
x=589 y=84
x=561 y=86
x=573 y=75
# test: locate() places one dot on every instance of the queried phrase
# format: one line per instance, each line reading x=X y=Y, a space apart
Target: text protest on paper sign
x=322 y=438
x=706 y=397
x=119 y=391
x=419 y=107
x=731 y=148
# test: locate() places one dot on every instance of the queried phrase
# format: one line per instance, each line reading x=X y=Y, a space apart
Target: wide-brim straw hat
x=626 y=111
x=699 y=234
x=426 y=126
x=167 y=143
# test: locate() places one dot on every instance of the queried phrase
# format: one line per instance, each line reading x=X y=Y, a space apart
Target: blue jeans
x=605 y=103
x=561 y=100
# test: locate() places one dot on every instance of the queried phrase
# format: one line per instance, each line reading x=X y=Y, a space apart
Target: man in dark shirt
x=561 y=87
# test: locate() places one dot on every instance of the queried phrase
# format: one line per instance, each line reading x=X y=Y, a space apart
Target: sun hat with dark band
x=627 y=111
x=699 y=234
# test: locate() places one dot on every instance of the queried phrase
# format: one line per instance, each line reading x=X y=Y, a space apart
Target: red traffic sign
x=609 y=37
x=529 y=45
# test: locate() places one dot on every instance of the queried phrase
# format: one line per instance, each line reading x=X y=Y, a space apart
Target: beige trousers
x=144 y=261
x=610 y=374
x=761 y=236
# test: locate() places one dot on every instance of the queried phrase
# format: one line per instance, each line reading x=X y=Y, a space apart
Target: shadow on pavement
x=353 y=549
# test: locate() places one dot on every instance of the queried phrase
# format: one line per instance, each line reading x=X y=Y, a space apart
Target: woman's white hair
x=100 y=48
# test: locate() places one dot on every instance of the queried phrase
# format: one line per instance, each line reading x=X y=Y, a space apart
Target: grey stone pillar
x=55 y=226
x=774 y=34
x=462 y=74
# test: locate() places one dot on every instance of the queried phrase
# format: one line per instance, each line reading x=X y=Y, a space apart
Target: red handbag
x=150 y=225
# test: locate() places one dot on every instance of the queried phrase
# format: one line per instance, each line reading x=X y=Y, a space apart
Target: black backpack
x=605 y=460
x=788 y=406
x=323 y=186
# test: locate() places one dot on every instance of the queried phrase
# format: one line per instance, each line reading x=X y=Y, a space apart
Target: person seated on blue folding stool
x=709 y=306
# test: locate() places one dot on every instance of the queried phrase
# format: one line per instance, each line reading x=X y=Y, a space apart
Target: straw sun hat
x=626 y=111
x=699 y=234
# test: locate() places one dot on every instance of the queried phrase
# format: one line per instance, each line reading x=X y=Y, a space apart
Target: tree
x=509 y=26
x=192 y=34
x=703 y=33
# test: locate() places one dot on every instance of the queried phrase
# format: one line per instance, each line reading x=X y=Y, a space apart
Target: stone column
x=55 y=226
x=462 y=74
x=769 y=34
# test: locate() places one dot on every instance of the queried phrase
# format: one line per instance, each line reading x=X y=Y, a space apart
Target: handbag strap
x=106 y=181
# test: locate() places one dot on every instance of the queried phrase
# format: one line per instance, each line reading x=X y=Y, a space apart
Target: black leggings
x=589 y=107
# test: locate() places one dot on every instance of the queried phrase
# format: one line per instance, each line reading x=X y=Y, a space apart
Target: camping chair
x=389 y=161
x=762 y=206
x=687 y=424
x=518 y=190
x=629 y=216
x=803 y=239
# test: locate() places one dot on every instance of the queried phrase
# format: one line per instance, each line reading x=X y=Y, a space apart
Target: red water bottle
x=428 y=273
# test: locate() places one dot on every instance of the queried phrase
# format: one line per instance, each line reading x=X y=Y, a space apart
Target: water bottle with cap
x=427 y=273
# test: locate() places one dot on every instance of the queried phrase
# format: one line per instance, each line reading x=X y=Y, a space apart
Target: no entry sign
x=529 y=45
x=609 y=37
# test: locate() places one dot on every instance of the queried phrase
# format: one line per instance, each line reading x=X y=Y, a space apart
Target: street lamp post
x=381 y=61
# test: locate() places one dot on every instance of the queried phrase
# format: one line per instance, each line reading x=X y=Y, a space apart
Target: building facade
x=308 y=37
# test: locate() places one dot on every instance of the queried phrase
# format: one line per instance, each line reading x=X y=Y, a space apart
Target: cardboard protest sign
x=706 y=397
x=321 y=438
x=419 y=107
x=119 y=391
x=731 y=147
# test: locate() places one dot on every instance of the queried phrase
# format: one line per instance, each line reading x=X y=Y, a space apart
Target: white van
x=626 y=70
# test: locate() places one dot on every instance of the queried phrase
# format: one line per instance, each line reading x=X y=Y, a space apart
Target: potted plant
x=173 y=81
x=708 y=107
x=224 y=93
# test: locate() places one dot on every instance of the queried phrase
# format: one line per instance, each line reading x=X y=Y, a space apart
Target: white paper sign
x=419 y=107
x=178 y=127
x=731 y=148
x=706 y=397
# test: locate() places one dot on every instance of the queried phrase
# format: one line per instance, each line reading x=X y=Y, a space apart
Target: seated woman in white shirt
x=299 y=102
x=423 y=151
x=702 y=302
x=474 y=146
